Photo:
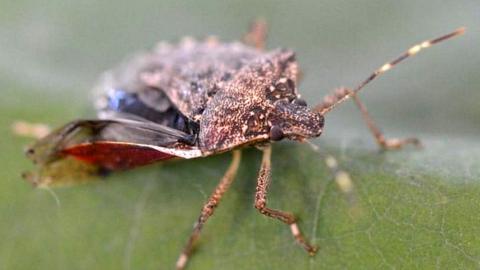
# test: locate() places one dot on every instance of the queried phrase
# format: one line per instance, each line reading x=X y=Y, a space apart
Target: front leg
x=384 y=143
x=261 y=202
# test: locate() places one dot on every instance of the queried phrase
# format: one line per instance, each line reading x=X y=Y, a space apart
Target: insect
x=196 y=99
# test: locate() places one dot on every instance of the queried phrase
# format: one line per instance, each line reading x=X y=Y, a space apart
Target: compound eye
x=276 y=133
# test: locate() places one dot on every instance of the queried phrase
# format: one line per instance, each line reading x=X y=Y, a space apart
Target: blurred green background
x=412 y=209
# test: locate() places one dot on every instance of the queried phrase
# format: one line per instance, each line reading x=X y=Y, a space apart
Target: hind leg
x=257 y=34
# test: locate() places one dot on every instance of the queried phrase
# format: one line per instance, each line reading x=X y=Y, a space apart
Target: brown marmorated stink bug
x=196 y=99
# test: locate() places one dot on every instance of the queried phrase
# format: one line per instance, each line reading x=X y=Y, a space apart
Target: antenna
x=330 y=101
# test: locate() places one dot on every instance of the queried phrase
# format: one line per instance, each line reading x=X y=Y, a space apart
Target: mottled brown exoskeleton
x=196 y=99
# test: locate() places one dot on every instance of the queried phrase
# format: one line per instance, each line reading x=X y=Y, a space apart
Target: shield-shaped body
x=187 y=100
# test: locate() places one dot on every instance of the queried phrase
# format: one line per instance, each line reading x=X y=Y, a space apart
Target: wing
x=90 y=147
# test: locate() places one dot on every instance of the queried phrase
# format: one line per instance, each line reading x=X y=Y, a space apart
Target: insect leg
x=261 y=202
x=257 y=34
x=384 y=143
x=209 y=208
x=32 y=130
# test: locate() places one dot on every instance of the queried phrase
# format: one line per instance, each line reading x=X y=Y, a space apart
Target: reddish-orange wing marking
x=116 y=156
x=84 y=148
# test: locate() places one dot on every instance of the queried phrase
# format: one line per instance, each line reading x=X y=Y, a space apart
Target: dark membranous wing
x=87 y=147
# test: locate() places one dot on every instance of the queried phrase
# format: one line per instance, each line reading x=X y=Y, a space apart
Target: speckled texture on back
x=233 y=92
x=188 y=73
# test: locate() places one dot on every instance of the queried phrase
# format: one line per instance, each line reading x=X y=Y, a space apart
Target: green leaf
x=408 y=209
